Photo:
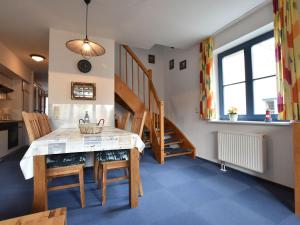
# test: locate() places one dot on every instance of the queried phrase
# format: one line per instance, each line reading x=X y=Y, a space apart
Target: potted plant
x=232 y=114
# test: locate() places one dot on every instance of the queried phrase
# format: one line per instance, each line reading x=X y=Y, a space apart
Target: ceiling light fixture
x=37 y=58
x=85 y=47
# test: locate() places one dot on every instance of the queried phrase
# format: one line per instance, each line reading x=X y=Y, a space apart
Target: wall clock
x=84 y=66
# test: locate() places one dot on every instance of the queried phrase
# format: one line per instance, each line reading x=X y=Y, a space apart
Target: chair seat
x=113 y=155
x=61 y=160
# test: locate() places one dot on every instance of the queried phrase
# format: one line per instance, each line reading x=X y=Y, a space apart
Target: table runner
x=70 y=140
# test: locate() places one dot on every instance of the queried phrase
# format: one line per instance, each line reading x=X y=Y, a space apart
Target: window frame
x=246 y=46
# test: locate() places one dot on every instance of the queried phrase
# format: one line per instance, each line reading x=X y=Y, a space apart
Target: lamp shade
x=85 y=47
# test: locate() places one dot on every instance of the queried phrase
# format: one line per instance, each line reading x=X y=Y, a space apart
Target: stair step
x=147 y=142
x=146 y=131
x=167 y=132
x=170 y=152
x=172 y=141
x=146 y=138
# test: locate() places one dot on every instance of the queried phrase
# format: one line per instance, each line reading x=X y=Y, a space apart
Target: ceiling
x=25 y=24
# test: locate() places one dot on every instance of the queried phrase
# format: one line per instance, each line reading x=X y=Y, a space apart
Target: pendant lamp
x=85 y=47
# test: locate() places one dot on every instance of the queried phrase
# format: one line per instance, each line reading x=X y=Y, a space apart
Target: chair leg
x=99 y=173
x=104 y=178
x=96 y=167
x=126 y=172
x=81 y=183
x=141 y=191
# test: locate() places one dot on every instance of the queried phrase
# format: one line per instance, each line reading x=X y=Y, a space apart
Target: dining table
x=70 y=140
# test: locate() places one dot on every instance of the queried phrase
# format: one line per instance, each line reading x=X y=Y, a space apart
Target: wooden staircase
x=134 y=90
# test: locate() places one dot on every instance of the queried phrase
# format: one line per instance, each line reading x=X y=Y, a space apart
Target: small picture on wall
x=83 y=91
x=171 y=64
x=182 y=65
x=151 y=59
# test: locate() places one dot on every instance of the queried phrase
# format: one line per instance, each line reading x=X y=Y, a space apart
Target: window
x=46 y=105
x=247 y=78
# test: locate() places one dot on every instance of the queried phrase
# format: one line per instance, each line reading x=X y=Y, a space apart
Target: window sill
x=251 y=122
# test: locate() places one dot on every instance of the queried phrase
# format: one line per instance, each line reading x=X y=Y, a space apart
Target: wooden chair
x=120 y=161
x=138 y=122
x=44 y=123
x=50 y=217
x=32 y=126
x=121 y=123
x=57 y=166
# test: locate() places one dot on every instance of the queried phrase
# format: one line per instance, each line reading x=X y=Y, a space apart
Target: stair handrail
x=155 y=104
x=137 y=60
x=148 y=72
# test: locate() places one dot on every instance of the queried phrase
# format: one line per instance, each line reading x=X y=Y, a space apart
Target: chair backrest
x=32 y=126
x=44 y=123
x=138 y=122
x=123 y=122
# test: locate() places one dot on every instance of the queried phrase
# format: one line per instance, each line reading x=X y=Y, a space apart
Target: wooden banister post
x=120 y=61
x=149 y=88
x=126 y=68
x=162 y=129
x=150 y=74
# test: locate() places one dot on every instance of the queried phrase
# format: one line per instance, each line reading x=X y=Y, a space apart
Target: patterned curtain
x=287 y=38
x=207 y=103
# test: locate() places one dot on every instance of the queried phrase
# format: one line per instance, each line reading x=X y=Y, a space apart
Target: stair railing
x=139 y=79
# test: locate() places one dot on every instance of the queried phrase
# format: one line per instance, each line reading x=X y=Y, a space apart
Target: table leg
x=40 y=195
x=133 y=177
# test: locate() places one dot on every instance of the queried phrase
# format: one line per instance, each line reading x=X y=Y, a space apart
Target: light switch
x=56 y=112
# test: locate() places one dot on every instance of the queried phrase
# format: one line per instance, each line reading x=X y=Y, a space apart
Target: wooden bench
x=50 y=217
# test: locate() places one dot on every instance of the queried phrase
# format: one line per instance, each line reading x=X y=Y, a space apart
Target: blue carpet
x=183 y=191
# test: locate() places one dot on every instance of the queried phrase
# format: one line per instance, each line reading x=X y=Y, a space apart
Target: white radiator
x=242 y=149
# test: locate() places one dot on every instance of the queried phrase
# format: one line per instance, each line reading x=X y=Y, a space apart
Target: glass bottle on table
x=86 y=117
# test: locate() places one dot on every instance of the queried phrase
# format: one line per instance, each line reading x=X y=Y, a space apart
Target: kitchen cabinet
x=13 y=130
x=13 y=136
x=9 y=137
x=3 y=142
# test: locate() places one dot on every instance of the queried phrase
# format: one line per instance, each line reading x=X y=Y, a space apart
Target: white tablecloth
x=69 y=140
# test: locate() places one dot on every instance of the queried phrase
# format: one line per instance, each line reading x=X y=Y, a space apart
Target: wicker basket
x=90 y=128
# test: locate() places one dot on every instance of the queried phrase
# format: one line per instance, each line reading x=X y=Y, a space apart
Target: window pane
x=233 y=68
x=263 y=58
x=235 y=96
x=265 y=95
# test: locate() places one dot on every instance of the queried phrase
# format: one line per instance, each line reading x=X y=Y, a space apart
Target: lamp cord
x=86 y=19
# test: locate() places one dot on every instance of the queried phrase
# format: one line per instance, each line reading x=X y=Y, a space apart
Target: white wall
x=259 y=18
x=182 y=94
x=182 y=102
x=11 y=62
x=63 y=70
